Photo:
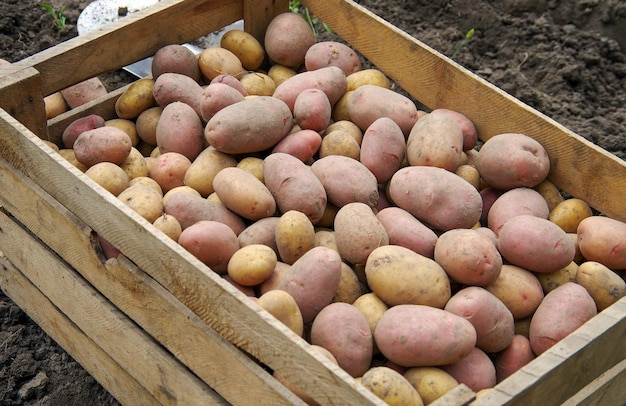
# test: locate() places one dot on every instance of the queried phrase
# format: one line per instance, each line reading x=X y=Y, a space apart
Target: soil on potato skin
x=565 y=58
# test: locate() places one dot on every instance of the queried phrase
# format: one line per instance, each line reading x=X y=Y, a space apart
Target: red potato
x=418 y=335
x=561 y=312
x=331 y=80
x=288 y=50
x=313 y=280
x=405 y=230
x=175 y=58
x=476 y=370
x=312 y=110
x=189 y=209
x=470 y=134
x=346 y=180
x=489 y=195
x=358 y=232
x=435 y=140
x=332 y=53
x=84 y=92
x=78 y=126
x=302 y=144
x=252 y=125
x=516 y=202
x=370 y=102
x=603 y=240
x=294 y=186
x=170 y=87
x=212 y=242
x=536 y=244
x=102 y=144
x=514 y=357
x=180 y=130
x=169 y=169
x=383 y=148
x=262 y=231
x=215 y=97
x=343 y=330
x=231 y=81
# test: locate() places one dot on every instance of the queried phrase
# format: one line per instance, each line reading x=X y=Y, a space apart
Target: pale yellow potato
x=469 y=173
x=203 y=169
x=146 y=123
x=367 y=77
x=390 y=386
x=569 y=213
x=252 y=265
x=349 y=286
x=52 y=145
x=340 y=142
x=244 y=194
x=347 y=126
x=603 y=284
x=430 y=382
x=295 y=235
x=215 y=61
x=128 y=126
x=519 y=289
x=253 y=165
x=68 y=155
x=110 y=176
x=148 y=181
x=55 y=105
x=372 y=308
x=280 y=73
x=169 y=225
x=340 y=108
x=326 y=238
x=550 y=193
x=247 y=48
x=552 y=280
x=144 y=200
x=283 y=306
x=135 y=164
x=258 y=84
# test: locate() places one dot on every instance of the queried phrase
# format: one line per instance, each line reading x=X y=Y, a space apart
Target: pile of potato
x=379 y=233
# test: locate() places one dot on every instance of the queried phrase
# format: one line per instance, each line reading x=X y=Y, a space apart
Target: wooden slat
x=608 y=389
x=129 y=346
x=94 y=359
x=258 y=13
x=462 y=395
x=577 y=165
x=127 y=287
x=216 y=302
x=21 y=96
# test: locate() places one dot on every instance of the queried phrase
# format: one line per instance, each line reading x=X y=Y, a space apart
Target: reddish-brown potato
x=302 y=144
x=603 y=239
x=175 y=58
x=102 y=144
x=476 y=370
x=514 y=202
x=78 y=126
x=180 y=130
x=470 y=134
x=169 y=169
x=215 y=97
x=212 y=242
x=435 y=140
x=405 y=230
x=288 y=50
x=332 y=53
x=312 y=110
x=331 y=80
x=84 y=92
x=512 y=358
x=346 y=180
x=358 y=232
x=188 y=209
x=383 y=148
x=170 y=87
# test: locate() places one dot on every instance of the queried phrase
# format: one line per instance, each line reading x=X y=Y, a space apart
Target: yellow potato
x=144 y=200
x=349 y=286
x=136 y=98
x=169 y=226
x=552 y=280
x=243 y=44
x=252 y=265
x=253 y=165
x=550 y=193
x=340 y=142
x=295 y=235
x=347 y=126
x=569 y=213
x=148 y=181
x=68 y=155
x=109 y=176
x=372 y=309
x=215 y=61
x=282 y=305
x=128 y=126
x=367 y=77
x=203 y=169
x=135 y=165
x=258 y=84
x=54 y=104
x=340 y=108
x=146 y=123
x=469 y=173
x=390 y=386
x=326 y=238
x=604 y=285
x=280 y=73
x=430 y=382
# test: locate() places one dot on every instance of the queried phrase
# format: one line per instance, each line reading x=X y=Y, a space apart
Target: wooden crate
x=157 y=326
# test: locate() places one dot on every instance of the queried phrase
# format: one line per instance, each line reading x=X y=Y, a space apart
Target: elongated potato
x=214 y=61
x=295 y=236
x=78 y=126
x=102 y=144
x=515 y=202
x=204 y=167
x=519 y=289
x=435 y=140
x=358 y=232
x=180 y=130
x=170 y=87
x=331 y=80
x=189 y=209
x=476 y=370
x=244 y=194
x=332 y=53
x=346 y=180
x=282 y=305
x=383 y=148
x=215 y=97
x=212 y=242
x=604 y=285
x=603 y=239
x=391 y=386
x=245 y=47
x=405 y=230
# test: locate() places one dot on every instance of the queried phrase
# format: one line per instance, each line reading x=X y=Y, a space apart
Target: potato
x=435 y=140
x=467 y=257
x=68 y=155
x=492 y=320
x=252 y=265
x=180 y=189
x=203 y=169
x=430 y=382
x=603 y=240
x=405 y=230
x=55 y=105
x=172 y=87
x=370 y=76
x=231 y=81
x=349 y=288
x=258 y=84
x=476 y=370
x=147 y=181
x=110 y=176
x=511 y=160
x=340 y=108
x=146 y=124
x=243 y=44
x=280 y=73
x=561 y=312
x=135 y=165
x=102 y=144
x=274 y=280
x=330 y=80
x=372 y=308
x=346 y=126
x=313 y=280
x=169 y=226
x=342 y=329
x=436 y=197
x=128 y=126
x=215 y=97
x=515 y=202
x=189 y=209
x=512 y=358
x=144 y=200
x=214 y=61
x=550 y=193
x=358 y=232
x=294 y=186
x=332 y=53
x=399 y=276
x=369 y=102
x=569 y=213
x=341 y=143
x=282 y=305
x=346 y=180
x=252 y=125
x=84 y=92
x=169 y=170
x=470 y=174
x=312 y=110
x=489 y=195
x=303 y=144
x=383 y=148
x=254 y=165
x=288 y=50
x=519 y=289
x=244 y=194
x=175 y=58
x=262 y=231
x=552 y=280
x=78 y=126
x=295 y=236
x=470 y=134
x=212 y=242
x=535 y=243
x=391 y=387
x=417 y=335
x=604 y=285
x=325 y=238
x=180 y=130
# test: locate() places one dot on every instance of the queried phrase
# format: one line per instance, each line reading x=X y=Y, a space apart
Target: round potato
x=144 y=200
x=339 y=142
x=169 y=226
x=252 y=265
x=280 y=73
x=110 y=176
x=288 y=50
x=169 y=170
x=214 y=61
x=367 y=77
x=258 y=84
x=476 y=370
x=282 y=305
x=346 y=180
x=146 y=123
x=430 y=382
x=603 y=239
x=312 y=110
x=569 y=213
x=435 y=140
x=519 y=289
x=512 y=358
x=513 y=203
x=332 y=53
x=102 y=144
x=390 y=386
x=175 y=58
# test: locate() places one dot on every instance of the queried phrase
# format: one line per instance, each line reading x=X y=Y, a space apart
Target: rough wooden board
x=130 y=289
x=608 y=389
x=437 y=81
x=21 y=96
x=459 y=396
x=220 y=305
x=94 y=359
x=142 y=357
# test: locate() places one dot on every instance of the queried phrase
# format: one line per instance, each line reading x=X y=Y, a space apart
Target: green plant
x=58 y=15
x=295 y=6
x=468 y=36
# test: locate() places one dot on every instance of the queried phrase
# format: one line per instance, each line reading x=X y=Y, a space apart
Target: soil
x=565 y=58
